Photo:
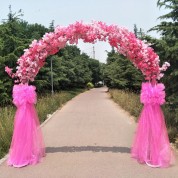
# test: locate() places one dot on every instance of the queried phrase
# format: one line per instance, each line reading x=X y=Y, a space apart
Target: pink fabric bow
x=23 y=94
x=152 y=94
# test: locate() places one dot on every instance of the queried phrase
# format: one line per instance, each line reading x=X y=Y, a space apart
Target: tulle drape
x=151 y=144
x=27 y=146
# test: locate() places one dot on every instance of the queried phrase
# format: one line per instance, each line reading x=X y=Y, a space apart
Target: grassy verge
x=46 y=105
x=130 y=102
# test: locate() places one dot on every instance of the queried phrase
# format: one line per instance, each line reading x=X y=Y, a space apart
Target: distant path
x=90 y=137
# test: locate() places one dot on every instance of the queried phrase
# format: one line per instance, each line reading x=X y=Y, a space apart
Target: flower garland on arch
x=140 y=54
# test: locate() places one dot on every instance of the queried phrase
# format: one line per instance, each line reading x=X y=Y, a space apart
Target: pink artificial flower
x=142 y=56
x=8 y=70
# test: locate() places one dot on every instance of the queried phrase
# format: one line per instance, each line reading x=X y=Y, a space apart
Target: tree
x=95 y=67
x=120 y=73
x=35 y=31
x=167 y=48
x=70 y=69
x=15 y=36
x=13 y=17
x=10 y=47
x=168 y=45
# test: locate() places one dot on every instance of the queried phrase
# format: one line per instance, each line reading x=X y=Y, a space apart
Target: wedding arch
x=125 y=42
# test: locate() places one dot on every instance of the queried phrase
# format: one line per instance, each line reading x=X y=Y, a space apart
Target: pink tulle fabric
x=151 y=144
x=27 y=146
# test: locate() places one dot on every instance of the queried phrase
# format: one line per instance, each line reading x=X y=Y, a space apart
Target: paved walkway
x=90 y=137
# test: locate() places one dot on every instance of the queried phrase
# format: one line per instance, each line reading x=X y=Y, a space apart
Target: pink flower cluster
x=142 y=56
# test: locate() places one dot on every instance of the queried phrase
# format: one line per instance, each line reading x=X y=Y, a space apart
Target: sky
x=125 y=13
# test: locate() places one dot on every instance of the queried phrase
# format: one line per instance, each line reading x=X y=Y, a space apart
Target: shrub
x=89 y=85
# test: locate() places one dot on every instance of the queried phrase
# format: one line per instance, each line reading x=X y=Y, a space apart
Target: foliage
x=167 y=48
x=128 y=100
x=71 y=69
x=97 y=70
x=6 y=128
x=90 y=85
x=120 y=73
x=15 y=36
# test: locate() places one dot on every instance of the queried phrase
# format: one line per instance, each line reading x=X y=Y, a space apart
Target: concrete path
x=90 y=137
